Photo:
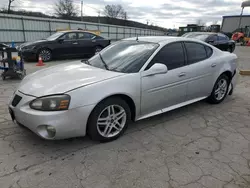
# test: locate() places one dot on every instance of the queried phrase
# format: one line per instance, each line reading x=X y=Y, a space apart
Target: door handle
x=75 y=43
x=93 y=40
x=182 y=74
x=213 y=65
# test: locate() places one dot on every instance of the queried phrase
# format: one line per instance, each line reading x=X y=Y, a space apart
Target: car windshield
x=55 y=36
x=124 y=56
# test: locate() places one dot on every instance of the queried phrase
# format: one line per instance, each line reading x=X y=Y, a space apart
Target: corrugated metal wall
x=23 y=28
x=231 y=23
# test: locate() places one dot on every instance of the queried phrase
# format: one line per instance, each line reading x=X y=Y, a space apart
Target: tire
x=214 y=98
x=98 y=49
x=107 y=129
x=45 y=54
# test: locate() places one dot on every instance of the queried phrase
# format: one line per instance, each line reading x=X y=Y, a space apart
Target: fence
x=24 y=28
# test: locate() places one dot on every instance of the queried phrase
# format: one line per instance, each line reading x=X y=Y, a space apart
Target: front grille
x=16 y=100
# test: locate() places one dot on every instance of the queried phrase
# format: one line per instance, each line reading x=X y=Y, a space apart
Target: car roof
x=80 y=31
x=163 y=39
x=205 y=33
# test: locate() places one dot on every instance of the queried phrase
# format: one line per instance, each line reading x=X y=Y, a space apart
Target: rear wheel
x=109 y=120
x=45 y=54
x=220 y=90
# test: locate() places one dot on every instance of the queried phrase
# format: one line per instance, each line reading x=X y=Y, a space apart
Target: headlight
x=51 y=103
x=28 y=48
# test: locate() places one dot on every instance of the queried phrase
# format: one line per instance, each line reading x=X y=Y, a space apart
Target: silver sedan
x=132 y=79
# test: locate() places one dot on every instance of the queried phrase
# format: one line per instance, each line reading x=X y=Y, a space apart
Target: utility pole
x=10 y=1
x=81 y=9
x=99 y=12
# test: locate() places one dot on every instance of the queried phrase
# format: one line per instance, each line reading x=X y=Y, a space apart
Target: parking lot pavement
x=198 y=146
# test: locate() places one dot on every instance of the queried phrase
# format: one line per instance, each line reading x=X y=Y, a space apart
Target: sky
x=164 y=13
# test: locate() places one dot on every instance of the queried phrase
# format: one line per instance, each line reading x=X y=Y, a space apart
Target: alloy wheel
x=221 y=89
x=45 y=55
x=111 y=121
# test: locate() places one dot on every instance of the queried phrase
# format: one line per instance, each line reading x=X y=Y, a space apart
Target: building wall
x=24 y=28
x=230 y=23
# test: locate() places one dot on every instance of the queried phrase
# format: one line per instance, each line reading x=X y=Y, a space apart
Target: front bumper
x=68 y=124
x=28 y=54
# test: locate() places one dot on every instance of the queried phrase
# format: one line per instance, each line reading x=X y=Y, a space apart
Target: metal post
x=81 y=9
x=241 y=16
x=24 y=37
x=124 y=36
x=50 y=27
x=129 y=32
x=108 y=31
x=116 y=33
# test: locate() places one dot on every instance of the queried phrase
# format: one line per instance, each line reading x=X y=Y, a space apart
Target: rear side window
x=171 y=55
x=195 y=52
x=209 y=51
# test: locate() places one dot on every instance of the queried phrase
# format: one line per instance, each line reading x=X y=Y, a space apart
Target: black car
x=218 y=40
x=63 y=44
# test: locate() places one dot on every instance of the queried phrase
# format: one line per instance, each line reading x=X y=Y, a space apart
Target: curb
x=245 y=72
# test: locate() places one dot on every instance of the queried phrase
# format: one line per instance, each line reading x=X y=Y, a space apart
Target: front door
x=165 y=90
x=68 y=46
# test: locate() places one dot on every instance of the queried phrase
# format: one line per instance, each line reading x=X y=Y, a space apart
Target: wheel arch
x=228 y=73
x=124 y=97
x=43 y=47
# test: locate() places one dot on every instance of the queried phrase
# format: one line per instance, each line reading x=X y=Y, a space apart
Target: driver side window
x=172 y=55
x=69 y=36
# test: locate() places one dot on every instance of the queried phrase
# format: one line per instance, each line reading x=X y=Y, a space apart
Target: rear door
x=87 y=43
x=200 y=70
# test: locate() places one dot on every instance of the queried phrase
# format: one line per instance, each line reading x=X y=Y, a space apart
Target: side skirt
x=171 y=108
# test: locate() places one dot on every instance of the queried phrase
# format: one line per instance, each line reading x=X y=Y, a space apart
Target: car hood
x=33 y=43
x=62 y=78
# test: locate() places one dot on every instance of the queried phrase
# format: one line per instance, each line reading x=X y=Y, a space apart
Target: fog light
x=46 y=131
x=51 y=131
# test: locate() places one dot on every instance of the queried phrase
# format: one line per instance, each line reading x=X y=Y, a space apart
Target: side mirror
x=60 y=40
x=157 y=68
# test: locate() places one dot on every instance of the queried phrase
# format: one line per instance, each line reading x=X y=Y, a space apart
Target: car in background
x=64 y=44
x=218 y=40
x=131 y=79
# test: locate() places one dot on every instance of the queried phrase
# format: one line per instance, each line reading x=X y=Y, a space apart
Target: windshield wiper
x=105 y=65
x=85 y=61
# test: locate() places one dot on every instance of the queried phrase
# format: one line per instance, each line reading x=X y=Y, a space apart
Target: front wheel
x=109 y=120
x=220 y=90
x=45 y=54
